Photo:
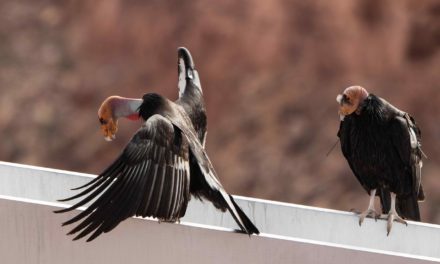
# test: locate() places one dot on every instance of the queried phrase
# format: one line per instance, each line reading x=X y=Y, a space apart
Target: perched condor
x=162 y=165
x=382 y=146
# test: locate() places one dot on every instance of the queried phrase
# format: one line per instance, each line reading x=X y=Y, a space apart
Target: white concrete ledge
x=290 y=232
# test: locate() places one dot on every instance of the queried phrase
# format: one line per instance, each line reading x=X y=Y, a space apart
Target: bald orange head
x=350 y=99
x=107 y=118
x=113 y=108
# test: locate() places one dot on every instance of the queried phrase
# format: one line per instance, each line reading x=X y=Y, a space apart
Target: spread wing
x=149 y=178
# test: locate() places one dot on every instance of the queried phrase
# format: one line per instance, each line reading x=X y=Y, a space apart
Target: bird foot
x=370 y=212
x=393 y=216
x=383 y=216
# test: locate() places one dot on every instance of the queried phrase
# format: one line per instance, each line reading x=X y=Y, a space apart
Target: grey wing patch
x=416 y=153
x=418 y=173
x=416 y=159
x=413 y=138
x=204 y=139
x=196 y=80
x=181 y=84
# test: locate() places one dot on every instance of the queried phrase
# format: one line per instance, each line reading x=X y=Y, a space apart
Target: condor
x=161 y=167
x=382 y=145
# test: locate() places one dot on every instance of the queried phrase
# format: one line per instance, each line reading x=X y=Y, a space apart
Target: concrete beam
x=26 y=187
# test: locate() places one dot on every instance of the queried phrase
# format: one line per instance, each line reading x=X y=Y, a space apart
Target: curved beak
x=109 y=138
x=341 y=113
x=339 y=98
x=109 y=129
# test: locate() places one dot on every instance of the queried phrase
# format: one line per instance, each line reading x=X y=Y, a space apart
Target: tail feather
x=248 y=227
x=421 y=194
x=408 y=207
x=385 y=200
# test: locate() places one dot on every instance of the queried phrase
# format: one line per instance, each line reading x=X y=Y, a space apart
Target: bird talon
x=390 y=224
x=400 y=220
x=371 y=213
x=393 y=216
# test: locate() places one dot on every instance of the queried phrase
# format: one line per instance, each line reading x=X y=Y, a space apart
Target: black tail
x=249 y=227
x=408 y=207
x=385 y=200
x=421 y=195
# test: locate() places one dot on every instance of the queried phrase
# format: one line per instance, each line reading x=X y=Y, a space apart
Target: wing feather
x=144 y=180
x=407 y=145
x=170 y=185
x=212 y=188
x=178 y=193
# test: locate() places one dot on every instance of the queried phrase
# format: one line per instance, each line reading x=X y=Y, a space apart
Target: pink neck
x=126 y=107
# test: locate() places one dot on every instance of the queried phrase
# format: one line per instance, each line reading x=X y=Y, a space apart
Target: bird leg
x=392 y=215
x=370 y=211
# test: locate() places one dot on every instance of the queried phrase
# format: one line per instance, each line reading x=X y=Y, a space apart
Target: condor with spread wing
x=382 y=145
x=162 y=165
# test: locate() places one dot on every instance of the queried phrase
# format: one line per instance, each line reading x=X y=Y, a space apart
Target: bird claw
x=392 y=216
x=368 y=213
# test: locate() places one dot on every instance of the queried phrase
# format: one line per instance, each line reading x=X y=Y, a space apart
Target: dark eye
x=102 y=121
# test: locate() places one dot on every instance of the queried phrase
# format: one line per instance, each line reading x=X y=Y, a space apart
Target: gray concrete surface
x=289 y=224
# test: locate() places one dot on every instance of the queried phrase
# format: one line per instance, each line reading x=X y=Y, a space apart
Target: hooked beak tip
x=339 y=98
x=109 y=138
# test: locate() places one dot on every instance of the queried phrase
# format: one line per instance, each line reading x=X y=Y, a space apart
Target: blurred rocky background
x=270 y=71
